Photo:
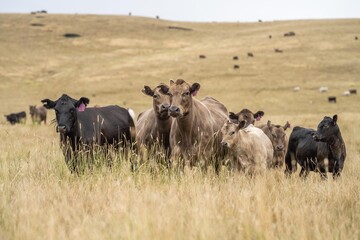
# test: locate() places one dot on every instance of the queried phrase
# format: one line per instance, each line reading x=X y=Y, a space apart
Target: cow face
x=247 y=115
x=32 y=110
x=230 y=132
x=326 y=129
x=161 y=99
x=278 y=136
x=181 y=94
x=66 y=109
x=11 y=119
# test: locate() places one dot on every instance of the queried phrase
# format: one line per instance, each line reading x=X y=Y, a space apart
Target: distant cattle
x=13 y=118
x=353 y=91
x=270 y=36
x=82 y=129
x=259 y=20
x=236 y=66
x=278 y=50
x=195 y=131
x=332 y=99
x=202 y=56
x=250 y=54
x=153 y=125
x=235 y=58
x=246 y=114
x=296 y=89
x=129 y=13
x=346 y=94
x=38 y=114
x=323 y=89
x=322 y=150
x=289 y=34
x=279 y=141
x=71 y=35
x=356 y=38
x=250 y=148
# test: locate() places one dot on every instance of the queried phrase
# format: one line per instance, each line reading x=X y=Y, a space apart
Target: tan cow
x=251 y=149
x=278 y=138
x=195 y=132
x=38 y=114
x=153 y=125
x=247 y=115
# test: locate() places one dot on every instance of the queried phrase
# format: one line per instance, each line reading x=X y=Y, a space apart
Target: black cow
x=353 y=91
x=236 y=66
x=250 y=54
x=202 y=56
x=332 y=99
x=235 y=58
x=84 y=128
x=322 y=150
x=13 y=118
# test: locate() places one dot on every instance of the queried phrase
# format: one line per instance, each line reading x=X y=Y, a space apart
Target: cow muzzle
x=174 y=111
x=164 y=110
x=225 y=144
x=279 y=147
x=61 y=129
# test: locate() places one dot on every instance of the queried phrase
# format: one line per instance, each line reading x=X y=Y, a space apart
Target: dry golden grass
x=114 y=58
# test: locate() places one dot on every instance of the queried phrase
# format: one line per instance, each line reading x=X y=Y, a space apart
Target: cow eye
x=186 y=94
x=274 y=135
x=155 y=96
x=232 y=133
x=72 y=110
x=170 y=94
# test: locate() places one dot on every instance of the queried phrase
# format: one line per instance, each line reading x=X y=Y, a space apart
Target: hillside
x=116 y=55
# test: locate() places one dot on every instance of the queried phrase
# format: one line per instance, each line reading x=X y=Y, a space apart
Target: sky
x=196 y=10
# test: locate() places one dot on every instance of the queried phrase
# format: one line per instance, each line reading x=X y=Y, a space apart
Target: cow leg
x=304 y=172
x=323 y=173
x=290 y=163
x=338 y=166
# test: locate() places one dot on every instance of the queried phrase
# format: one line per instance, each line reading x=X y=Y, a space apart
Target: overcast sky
x=196 y=10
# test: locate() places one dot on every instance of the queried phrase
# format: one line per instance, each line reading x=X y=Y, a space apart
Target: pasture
x=109 y=62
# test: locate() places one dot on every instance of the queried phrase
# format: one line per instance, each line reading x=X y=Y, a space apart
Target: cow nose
x=164 y=107
x=279 y=147
x=224 y=144
x=61 y=128
x=174 y=109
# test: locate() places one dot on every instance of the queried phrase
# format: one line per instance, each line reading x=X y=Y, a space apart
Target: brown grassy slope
x=116 y=56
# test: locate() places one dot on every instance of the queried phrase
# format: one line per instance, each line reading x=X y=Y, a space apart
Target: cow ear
x=164 y=89
x=286 y=126
x=47 y=103
x=259 y=115
x=147 y=91
x=334 y=119
x=171 y=82
x=194 y=89
x=82 y=103
x=233 y=116
x=242 y=124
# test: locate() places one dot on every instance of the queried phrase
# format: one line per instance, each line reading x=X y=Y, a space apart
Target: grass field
x=111 y=61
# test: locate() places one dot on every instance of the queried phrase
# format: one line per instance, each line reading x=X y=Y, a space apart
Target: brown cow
x=247 y=115
x=251 y=149
x=153 y=125
x=195 y=131
x=277 y=136
x=38 y=114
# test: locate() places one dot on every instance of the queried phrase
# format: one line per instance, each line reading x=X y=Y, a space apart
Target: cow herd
x=193 y=133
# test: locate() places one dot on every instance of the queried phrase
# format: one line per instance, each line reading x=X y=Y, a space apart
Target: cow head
x=11 y=119
x=326 y=129
x=161 y=99
x=247 y=115
x=181 y=94
x=32 y=109
x=66 y=109
x=230 y=131
x=278 y=136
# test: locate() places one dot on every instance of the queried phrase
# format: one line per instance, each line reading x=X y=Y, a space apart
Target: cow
x=202 y=56
x=346 y=94
x=38 y=114
x=236 y=66
x=356 y=38
x=235 y=58
x=195 y=131
x=352 y=91
x=278 y=50
x=296 y=89
x=82 y=129
x=14 y=118
x=279 y=141
x=332 y=99
x=270 y=36
x=251 y=149
x=153 y=125
x=250 y=54
x=322 y=150
x=323 y=89
x=247 y=115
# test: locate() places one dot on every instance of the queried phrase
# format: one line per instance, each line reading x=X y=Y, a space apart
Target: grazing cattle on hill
x=236 y=66
x=202 y=56
x=251 y=149
x=270 y=36
x=247 y=115
x=278 y=50
x=356 y=38
x=195 y=130
x=296 y=89
x=289 y=34
x=322 y=150
x=346 y=94
x=352 y=91
x=235 y=58
x=82 y=128
x=250 y=54
x=279 y=141
x=153 y=125
x=332 y=99
x=13 y=118
x=38 y=114
x=323 y=89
